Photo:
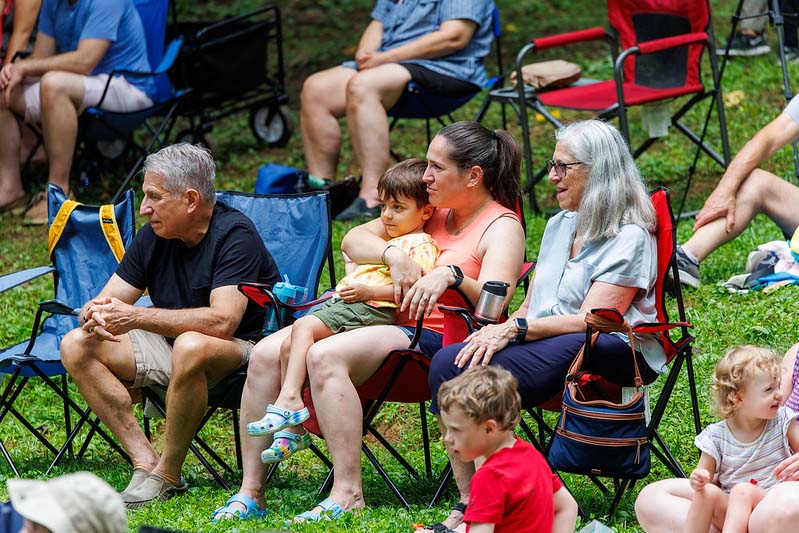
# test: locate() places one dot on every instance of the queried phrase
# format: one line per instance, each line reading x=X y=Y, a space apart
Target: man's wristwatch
x=521 y=328
x=458 y=273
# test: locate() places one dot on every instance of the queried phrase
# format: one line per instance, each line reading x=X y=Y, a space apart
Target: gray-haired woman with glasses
x=599 y=251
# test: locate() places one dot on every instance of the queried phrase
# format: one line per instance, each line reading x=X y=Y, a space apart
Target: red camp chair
x=678 y=352
x=401 y=378
x=661 y=43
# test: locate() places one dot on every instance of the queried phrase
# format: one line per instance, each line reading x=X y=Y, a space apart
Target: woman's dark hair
x=495 y=151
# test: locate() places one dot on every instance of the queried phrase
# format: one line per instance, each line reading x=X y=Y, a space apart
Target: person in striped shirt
x=739 y=453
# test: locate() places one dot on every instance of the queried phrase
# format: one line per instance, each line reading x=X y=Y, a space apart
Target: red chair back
x=637 y=21
x=666 y=245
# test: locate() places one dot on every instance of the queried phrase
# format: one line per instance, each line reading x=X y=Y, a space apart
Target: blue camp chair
x=82 y=262
x=106 y=135
x=417 y=103
x=296 y=229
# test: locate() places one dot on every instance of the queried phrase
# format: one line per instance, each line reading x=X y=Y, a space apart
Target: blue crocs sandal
x=331 y=511
x=253 y=511
x=277 y=419
x=285 y=445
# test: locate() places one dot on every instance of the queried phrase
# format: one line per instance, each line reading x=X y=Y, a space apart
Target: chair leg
x=67 y=421
x=383 y=474
x=393 y=451
x=621 y=488
x=446 y=475
x=10 y=461
x=237 y=438
x=327 y=485
x=428 y=466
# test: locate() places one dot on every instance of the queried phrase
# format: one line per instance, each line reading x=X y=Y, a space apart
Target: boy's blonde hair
x=404 y=179
x=483 y=393
x=733 y=370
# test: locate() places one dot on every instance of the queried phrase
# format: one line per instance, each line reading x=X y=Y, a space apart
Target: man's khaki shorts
x=122 y=96
x=154 y=358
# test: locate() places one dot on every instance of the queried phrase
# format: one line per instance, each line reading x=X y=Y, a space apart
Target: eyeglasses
x=560 y=168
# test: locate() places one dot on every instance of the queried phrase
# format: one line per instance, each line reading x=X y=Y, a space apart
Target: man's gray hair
x=615 y=193
x=185 y=166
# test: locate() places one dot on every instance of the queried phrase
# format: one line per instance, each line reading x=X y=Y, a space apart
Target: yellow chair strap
x=108 y=223
x=59 y=223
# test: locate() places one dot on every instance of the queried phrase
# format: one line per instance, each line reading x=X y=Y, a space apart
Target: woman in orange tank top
x=472 y=179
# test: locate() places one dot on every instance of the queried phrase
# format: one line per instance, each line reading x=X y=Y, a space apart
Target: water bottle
x=492 y=301
x=288 y=294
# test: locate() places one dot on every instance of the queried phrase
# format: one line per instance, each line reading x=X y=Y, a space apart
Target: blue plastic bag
x=278 y=179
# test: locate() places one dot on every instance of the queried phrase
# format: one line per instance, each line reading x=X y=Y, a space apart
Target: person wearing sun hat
x=74 y=503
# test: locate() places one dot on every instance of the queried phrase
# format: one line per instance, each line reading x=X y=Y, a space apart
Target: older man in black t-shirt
x=190 y=257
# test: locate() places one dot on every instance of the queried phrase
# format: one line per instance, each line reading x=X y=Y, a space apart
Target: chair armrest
x=656 y=45
x=170 y=54
x=261 y=294
x=572 y=37
x=9 y=281
x=57 y=307
x=465 y=314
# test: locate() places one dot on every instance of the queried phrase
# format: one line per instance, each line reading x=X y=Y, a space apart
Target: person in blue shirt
x=79 y=43
x=438 y=44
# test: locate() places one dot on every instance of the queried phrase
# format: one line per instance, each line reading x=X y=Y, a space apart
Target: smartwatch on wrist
x=521 y=328
x=458 y=273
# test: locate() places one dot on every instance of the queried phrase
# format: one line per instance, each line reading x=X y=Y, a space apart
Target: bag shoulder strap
x=108 y=224
x=602 y=324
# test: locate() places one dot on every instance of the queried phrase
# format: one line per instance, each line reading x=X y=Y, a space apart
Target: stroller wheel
x=270 y=125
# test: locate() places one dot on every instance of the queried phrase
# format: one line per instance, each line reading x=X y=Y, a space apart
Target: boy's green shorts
x=340 y=316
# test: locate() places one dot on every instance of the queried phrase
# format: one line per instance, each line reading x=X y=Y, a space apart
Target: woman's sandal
x=277 y=419
x=330 y=511
x=284 y=445
x=253 y=511
x=439 y=527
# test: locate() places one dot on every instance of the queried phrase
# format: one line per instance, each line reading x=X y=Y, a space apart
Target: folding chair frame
x=682 y=355
x=525 y=96
x=26 y=365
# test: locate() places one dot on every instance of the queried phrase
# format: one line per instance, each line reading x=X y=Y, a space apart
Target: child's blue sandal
x=253 y=512
x=284 y=445
x=277 y=419
x=330 y=511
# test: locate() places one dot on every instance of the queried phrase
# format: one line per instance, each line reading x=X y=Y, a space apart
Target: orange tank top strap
x=461 y=249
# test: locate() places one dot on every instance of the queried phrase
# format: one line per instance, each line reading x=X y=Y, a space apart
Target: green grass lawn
x=319 y=34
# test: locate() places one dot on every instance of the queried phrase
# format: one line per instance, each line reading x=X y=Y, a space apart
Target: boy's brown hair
x=404 y=179
x=732 y=371
x=483 y=393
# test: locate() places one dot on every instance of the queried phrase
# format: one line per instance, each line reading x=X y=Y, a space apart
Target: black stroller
x=229 y=68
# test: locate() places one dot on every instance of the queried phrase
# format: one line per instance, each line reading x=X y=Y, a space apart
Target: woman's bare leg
x=336 y=365
x=261 y=388
x=778 y=510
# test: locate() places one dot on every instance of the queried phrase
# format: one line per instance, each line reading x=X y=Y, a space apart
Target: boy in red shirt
x=512 y=491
